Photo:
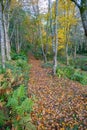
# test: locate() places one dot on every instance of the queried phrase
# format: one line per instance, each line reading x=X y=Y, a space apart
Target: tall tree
x=82 y=5
x=56 y=40
x=6 y=6
x=2 y=35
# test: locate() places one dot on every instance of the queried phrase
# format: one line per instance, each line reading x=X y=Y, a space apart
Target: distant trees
x=49 y=32
x=13 y=30
x=4 y=29
x=67 y=21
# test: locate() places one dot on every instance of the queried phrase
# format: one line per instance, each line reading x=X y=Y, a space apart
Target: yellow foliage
x=1 y=77
x=14 y=4
x=66 y=20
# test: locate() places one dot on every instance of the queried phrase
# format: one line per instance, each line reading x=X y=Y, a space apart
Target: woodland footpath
x=43 y=64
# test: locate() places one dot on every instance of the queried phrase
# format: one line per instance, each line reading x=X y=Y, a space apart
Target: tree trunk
x=7 y=41
x=84 y=18
x=42 y=46
x=83 y=12
x=67 y=56
x=17 y=42
x=40 y=35
x=56 y=39
x=2 y=37
x=75 y=49
x=44 y=55
x=52 y=30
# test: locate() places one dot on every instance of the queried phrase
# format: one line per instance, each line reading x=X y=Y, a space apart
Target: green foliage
x=18 y=107
x=18 y=56
x=80 y=77
x=22 y=64
x=73 y=74
x=61 y=59
x=16 y=96
x=47 y=65
x=60 y=72
x=13 y=84
x=19 y=103
x=2 y=118
x=19 y=70
x=38 y=53
x=16 y=73
x=2 y=71
x=84 y=67
x=65 y=71
x=79 y=62
x=76 y=127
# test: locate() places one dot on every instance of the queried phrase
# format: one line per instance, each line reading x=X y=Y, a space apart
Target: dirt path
x=60 y=102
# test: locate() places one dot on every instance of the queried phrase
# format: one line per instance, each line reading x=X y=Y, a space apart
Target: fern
x=2 y=118
x=20 y=105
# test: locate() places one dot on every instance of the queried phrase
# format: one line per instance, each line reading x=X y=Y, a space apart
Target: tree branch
x=76 y=3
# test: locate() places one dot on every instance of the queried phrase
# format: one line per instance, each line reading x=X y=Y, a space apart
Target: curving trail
x=59 y=102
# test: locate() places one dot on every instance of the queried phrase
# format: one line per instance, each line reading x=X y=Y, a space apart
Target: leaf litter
x=61 y=103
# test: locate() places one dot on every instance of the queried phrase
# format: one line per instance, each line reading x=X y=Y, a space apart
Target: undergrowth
x=72 y=73
x=15 y=106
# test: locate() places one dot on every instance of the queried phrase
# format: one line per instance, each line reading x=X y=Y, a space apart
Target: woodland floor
x=60 y=103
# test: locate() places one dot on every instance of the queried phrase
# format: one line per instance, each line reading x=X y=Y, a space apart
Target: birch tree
x=6 y=28
x=54 y=34
x=2 y=36
x=56 y=40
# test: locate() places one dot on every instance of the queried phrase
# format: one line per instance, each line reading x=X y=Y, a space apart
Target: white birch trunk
x=7 y=41
x=2 y=37
x=56 y=40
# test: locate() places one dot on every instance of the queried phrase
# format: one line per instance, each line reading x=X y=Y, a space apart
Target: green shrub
x=68 y=71
x=80 y=77
x=47 y=65
x=84 y=67
x=77 y=77
x=19 y=103
x=73 y=74
x=80 y=62
x=65 y=71
x=14 y=97
x=16 y=73
x=38 y=53
x=2 y=118
x=16 y=56
x=2 y=70
x=60 y=72
x=18 y=108
x=62 y=59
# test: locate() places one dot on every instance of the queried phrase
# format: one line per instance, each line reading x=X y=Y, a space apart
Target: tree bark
x=17 y=42
x=7 y=41
x=83 y=12
x=40 y=33
x=2 y=37
x=52 y=30
x=56 y=40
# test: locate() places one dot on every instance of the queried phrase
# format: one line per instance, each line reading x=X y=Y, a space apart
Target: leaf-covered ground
x=60 y=104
